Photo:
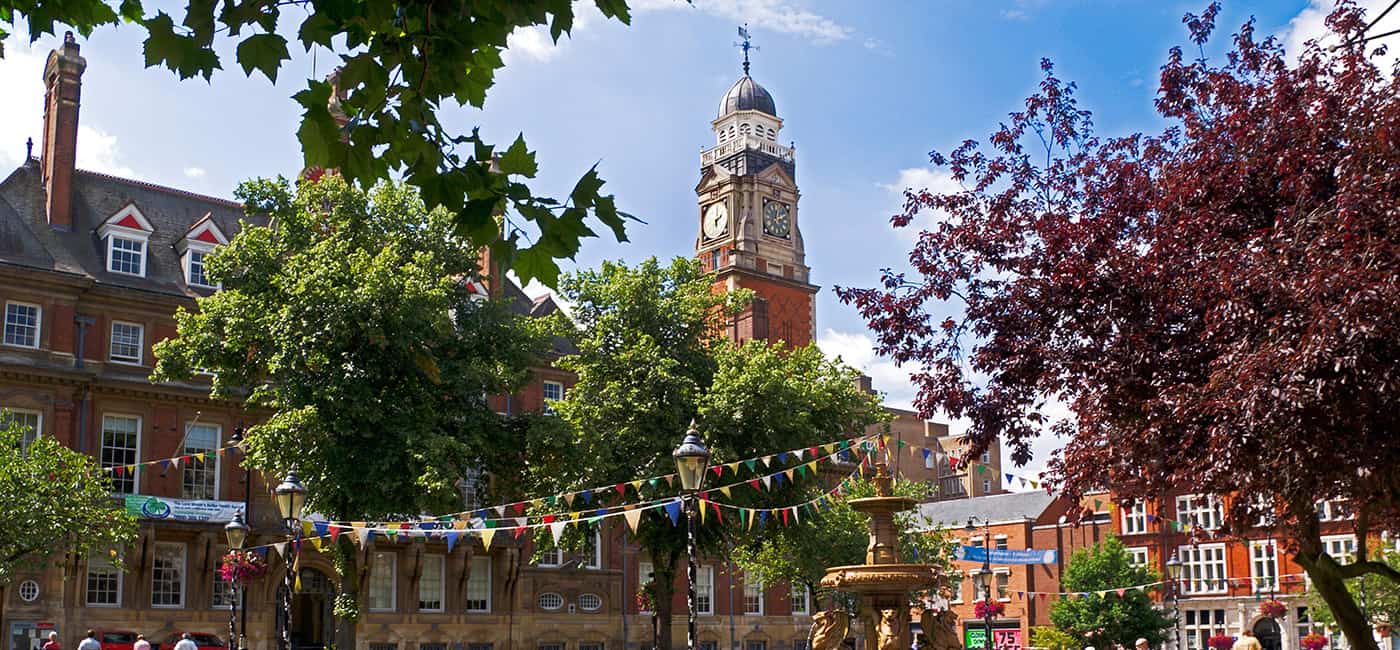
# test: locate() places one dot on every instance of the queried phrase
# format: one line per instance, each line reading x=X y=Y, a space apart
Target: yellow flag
x=703 y=503
x=637 y=486
x=633 y=517
x=725 y=491
x=486 y=535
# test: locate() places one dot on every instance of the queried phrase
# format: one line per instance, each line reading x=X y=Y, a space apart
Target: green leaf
x=519 y=160
x=534 y=263
x=264 y=53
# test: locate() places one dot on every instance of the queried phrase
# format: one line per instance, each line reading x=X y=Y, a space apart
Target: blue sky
x=866 y=90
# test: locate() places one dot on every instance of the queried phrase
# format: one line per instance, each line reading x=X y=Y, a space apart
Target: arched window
x=744 y=129
x=772 y=135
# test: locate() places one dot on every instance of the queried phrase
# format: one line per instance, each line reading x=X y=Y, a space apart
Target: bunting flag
x=451 y=536
x=673 y=510
x=166 y=463
x=633 y=517
x=487 y=534
x=557 y=530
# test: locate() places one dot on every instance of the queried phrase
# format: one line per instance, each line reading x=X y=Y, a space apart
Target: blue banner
x=1005 y=556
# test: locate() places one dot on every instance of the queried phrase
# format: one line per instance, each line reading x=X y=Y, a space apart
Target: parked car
x=115 y=639
x=204 y=640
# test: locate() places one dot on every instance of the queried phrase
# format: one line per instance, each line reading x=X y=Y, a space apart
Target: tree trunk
x=664 y=579
x=1328 y=581
x=347 y=569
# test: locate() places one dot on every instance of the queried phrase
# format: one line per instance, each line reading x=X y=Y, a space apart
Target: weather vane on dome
x=746 y=45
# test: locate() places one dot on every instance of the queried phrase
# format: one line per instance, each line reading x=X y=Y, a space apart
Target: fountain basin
x=881 y=578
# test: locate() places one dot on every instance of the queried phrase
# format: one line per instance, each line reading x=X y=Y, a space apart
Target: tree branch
x=1360 y=568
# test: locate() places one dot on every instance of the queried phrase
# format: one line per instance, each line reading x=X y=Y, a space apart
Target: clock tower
x=750 y=235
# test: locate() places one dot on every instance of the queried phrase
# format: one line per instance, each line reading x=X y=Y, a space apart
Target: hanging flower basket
x=1220 y=642
x=1314 y=641
x=242 y=567
x=1272 y=608
x=985 y=608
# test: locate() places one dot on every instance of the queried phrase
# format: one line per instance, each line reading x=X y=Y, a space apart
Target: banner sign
x=150 y=507
x=974 y=638
x=1005 y=556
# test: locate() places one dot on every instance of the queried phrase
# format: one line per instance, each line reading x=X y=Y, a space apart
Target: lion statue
x=829 y=629
x=941 y=629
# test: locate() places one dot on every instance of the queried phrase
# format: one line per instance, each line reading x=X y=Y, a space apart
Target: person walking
x=53 y=642
x=90 y=642
x=1140 y=644
x=141 y=643
x=1247 y=641
x=186 y=643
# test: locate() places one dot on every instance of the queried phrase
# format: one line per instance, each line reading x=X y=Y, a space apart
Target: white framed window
x=550 y=601
x=221 y=596
x=1199 y=510
x=168 y=575
x=121 y=442
x=1263 y=565
x=22 y=321
x=31 y=423
x=986 y=486
x=986 y=456
x=479 y=586
x=644 y=578
x=756 y=644
x=1333 y=510
x=553 y=391
x=1303 y=623
x=593 y=550
x=1134 y=518
x=1003 y=577
x=1000 y=541
x=753 y=597
x=1342 y=548
x=957 y=596
x=382 y=578
x=590 y=602
x=104 y=583
x=705 y=590
x=128 y=341
x=126 y=255
x=1203 y=569
x=1138 y=555
x=195 y=274
x=431 y=577
x=201 y=477
x=1199 y=624
x=550 y=558
x=801 y=600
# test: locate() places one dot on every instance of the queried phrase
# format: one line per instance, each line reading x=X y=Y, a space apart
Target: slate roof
x=747 y=95
x=998 y=508
x=26 y=240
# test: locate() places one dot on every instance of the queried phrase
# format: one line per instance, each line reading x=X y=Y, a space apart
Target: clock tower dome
x=750 y=235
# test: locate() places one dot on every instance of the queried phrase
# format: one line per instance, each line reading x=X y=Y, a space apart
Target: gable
x=128 y=217
x=776 y=175
x=206 y=231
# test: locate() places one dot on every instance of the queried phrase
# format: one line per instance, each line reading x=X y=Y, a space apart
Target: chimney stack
x=62 y=87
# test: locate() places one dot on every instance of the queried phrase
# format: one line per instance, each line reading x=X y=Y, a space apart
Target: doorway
x=1269 y=634
x=313 y=624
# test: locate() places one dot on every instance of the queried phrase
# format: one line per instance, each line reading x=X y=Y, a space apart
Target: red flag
x=753 y=483
x=785 y=516
x=335 y=532
x=717 y=469
x=549 y=519
x=621 y=489
x=519 y=507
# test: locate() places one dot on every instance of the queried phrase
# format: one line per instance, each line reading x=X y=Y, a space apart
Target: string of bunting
x=954 y=462
x=452 y=531
x=1219 y=583
x=166 y=463
x=522 y=517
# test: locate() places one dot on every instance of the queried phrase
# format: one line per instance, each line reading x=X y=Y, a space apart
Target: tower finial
x=745 y=45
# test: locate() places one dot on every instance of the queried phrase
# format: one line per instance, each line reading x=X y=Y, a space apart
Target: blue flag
x=674 y=510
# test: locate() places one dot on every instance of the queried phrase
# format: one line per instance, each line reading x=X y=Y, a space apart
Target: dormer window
x=203 y=238
x=125 y=236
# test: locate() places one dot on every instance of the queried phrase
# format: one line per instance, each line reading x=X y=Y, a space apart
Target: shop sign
x=974 y=636
x=152 y=507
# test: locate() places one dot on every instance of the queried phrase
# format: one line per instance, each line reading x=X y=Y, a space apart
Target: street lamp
x=982 y=578
x=1174 y=590
x=291 y=498
x=692 y=458
x=237 y=534
x=237 y=441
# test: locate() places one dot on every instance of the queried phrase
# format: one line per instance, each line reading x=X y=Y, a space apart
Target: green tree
x=399 y=63
x=348 y=321
x=55 y=500
x=838 y=536
x=1052 y=638
x=1101 y=620
x=1378 y=596
x=649 y=361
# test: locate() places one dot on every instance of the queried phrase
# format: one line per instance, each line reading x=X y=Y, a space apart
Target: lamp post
x=692 y=458
x=237 y=441
x=982 y=578
x=1174 y=591
x=237 y=533
x=291 y=498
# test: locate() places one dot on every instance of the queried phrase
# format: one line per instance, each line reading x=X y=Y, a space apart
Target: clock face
x=716 y=220
x=777 y=219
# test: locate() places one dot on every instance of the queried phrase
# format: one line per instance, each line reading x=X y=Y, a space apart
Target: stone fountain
x=882 y=584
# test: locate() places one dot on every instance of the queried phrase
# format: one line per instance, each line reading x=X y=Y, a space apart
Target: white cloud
x=776 y=15
x=919 y=178
x=194 y=172
x=857 y=350
x=1311 y=23
x=535 y=43
x=1015 y=14
x=21 y=75
x=878 y=46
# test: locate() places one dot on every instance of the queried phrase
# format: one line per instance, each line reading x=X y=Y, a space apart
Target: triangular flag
x=451 y=536
x=556 y=529
x=587 y=496
x=306 y=528
x=1120 y=592
x=519 y=507
x=673 y=509
x=637 y=487
x=733 y=468
x=767 y=481
x=718 y=470
x=486 y=536
x=703 y=504
x=322 y=528
x=670 y=480
x=767 y=461
x=788 y=474
x=335 y=532
x=812 y=466
x=750 y=463
x=784 y=513
x=165 y=465
x=1010 y=478
x=281 y=548
x=799 y=453
x=725 y=491
x=633 y=518
x=569 y=499
x=753 y=483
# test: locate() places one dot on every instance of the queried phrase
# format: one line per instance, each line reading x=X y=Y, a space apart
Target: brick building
x=92 y=269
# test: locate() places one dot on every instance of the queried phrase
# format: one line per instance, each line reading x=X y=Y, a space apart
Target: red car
x=204 y=640
x=115 y=639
